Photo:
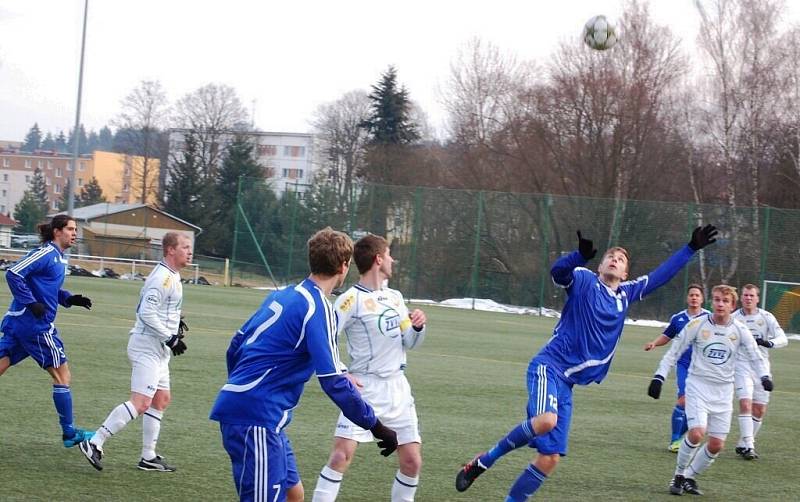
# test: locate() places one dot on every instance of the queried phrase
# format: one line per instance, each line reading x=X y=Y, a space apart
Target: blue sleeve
x=19 y=288
x=562 y=269
x=63 y=294
x=346 y=397
x=646 y=284
x=673 y=328
x=320 y=333
x=233 y=351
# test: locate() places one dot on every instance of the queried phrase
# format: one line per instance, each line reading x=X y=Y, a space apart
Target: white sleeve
x=346 y=306
x=778 y=338
x=748 y=350
x=411 y=337
x=680 y=343
x=148 y=312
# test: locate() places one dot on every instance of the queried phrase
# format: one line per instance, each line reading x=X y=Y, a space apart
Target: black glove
x=586 y=247
x=182 y=327
x=702 y=237
x=654 y=390
x=81 y=301
x=37 y=309
x=175 y=343
x=767 y=383
x=387 y=438
x=764 y=343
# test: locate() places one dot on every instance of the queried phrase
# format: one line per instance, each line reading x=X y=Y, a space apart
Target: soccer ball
x=599 y=33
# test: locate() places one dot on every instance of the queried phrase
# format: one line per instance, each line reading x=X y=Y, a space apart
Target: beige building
x=17 y=168
x=124 y=178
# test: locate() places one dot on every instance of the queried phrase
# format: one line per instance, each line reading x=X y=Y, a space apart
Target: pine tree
x=188 y=194
x=61 y=143
x=91 y=193
x=83 y=141
x=390 y=122
x=48 y=143
x=63 y=202
x=33 y=140
x=38 y=188
x=105 y=139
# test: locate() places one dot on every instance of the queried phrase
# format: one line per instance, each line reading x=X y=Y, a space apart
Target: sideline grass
x=468 y=380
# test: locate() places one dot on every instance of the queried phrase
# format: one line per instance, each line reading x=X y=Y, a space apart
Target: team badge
x=732 y=338
x=760 y=322
x=167 y=282
x=693 y=323
x=347 y=303
x=370 y=305
x=705 y=334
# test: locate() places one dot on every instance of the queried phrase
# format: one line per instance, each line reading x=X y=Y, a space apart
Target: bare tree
x=337 y=125
x=211 y=112
x=140 y=123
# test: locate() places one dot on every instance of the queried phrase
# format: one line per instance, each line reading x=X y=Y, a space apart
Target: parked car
x=24 y=241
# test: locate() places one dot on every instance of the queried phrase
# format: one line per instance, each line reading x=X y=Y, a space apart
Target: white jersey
x=159 y=311
x=378 y=330
x=715 y=350
x=764 y=326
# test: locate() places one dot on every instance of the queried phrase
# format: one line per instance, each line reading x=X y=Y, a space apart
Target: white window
x=125 y=187
x=3 y=209
x=54 y=204
x=27 y=179
x=40 y=164
x=82 y=166
x=5 y=192
x=80 y=182
x=69 y=165
x=294 y=151
x=57 y=188
x=5 y=177
x=27 y=163
x=47 y=181
x=6 y=163
x=58 y=172
x=50 y=164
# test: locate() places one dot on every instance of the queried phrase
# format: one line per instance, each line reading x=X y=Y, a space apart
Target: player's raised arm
x=562 y=269
x=778 y=338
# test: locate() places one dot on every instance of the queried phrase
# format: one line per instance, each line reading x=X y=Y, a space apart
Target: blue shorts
x=263 y=462
x=42 y=344
x=681 y=372
x=549 y=393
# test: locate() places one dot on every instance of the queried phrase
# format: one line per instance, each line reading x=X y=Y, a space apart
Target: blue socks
x=679 y=426
x=62 y=398
x=526 y=484
x=519 y=436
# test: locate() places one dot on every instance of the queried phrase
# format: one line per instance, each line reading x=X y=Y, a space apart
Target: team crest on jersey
x=694 y=322
x=167 y=282
x=760 y=322
x=347 y=304
x=370 y=305
x=717 y=353
x=732 y=338
x=705 y=334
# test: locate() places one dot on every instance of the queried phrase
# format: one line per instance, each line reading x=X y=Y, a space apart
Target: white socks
x=701 y=462
x=116 y=420
x=685 y=454
x=756 y=426
x=404 y=487
x=151 y=426
x=746 y=427
x=328 y=484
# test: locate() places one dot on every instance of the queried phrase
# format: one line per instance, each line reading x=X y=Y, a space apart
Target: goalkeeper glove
x=764 y=343
x=654 y=390
x=387 y=438
x=182 y=327
x=175 y=343
x=81 y=301
x=702 y=237
x=37 y=309
x=586 y=247
x=767 y=383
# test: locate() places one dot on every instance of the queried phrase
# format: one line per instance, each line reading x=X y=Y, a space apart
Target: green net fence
x=500 y=246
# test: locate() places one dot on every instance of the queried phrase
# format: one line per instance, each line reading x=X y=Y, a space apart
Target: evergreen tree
x=28 y=213
x=188 y=193
x=38 y=188
x=83 y=141
x=48 y=143
x=92 y=141
x=91 y=193
x=63 y=202
x=105 y=139
x=390 y=121
x=33 y=140
x=61 y=143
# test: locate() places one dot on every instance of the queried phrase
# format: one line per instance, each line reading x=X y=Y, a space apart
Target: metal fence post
x=476 y=254
x=545 y=226
x=764 y=247
x=417 y=235
x=236 y=225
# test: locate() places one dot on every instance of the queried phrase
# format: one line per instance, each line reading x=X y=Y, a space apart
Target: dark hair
x=696 y=286
x=328 y=250
x=366 y=250
x=47 y=230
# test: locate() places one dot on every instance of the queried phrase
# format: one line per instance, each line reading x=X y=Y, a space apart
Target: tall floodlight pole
x=76 y=138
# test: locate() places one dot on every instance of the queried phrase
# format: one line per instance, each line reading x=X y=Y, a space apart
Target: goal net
x=783 y=300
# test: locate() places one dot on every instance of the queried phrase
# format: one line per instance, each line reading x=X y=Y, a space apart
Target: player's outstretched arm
x=561 y=271
x=778 y=338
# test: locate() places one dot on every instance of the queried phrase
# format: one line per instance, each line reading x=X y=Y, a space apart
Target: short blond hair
x=753 y=287
x=725 y=289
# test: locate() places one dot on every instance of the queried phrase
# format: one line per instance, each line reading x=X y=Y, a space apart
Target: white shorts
x=393 y=404
x=149 y=365
x=710 y=406
x=748 y=386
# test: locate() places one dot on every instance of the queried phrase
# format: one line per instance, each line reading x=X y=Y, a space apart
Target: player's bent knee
x=547 y=463
x=5 y=363
x=340 y=459
x=715 y=445
x=295 y=493
x=410 y=465
x=60 y=375
x=696 y=435
x=544 y=423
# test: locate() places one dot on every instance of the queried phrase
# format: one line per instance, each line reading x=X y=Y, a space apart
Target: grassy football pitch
x=468 y=380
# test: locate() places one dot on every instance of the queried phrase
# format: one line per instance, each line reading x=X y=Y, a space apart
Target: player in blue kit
x=35 y=282
x=694 y=308
x=579 y=352
x=291 y=336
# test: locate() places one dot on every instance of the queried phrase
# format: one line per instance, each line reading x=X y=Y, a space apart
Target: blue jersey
x=291 y=336
x=38 y=277
x=586 y=336
x=676 y=324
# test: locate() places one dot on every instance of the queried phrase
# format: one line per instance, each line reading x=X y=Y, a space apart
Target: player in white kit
x=156 y=335
x=718 y=343
x=752 y=399
x=379 y=330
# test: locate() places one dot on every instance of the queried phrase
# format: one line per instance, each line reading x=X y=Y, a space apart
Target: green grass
x=468 y=380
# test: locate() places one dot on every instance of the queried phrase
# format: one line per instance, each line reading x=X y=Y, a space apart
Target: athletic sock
x=115 y=421
x=404 y=487
x=62 y=399
x=756 y=426
x=678 y=422
x=685 y=454
x=519 y=436
x=151 y=426
x=328 y=484
x=701 y=462
x=746 y=431
x=526 y=484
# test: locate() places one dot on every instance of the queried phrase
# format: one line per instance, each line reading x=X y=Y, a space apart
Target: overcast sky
x=284 y=58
